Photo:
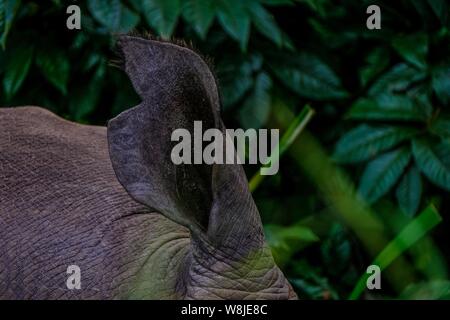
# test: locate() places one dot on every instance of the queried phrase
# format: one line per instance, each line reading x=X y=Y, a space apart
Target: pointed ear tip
x=122 y=39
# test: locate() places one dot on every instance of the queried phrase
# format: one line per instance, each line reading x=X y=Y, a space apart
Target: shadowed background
x=369 y=174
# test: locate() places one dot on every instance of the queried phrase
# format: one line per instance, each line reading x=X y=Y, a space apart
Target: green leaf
x=381 y=174
x=17 y=66
x=441 y=83
x=200 y=13
x=162 y=15
x=128 y=20
x=285 y=241
x=113 y=15
x=376 y=62
x=388 y=107
x=309 y=77
x=396 y=80
x=85 y=98
x=265 y=22
x=278 y=235
x=55 y=66
x=409 y=191
x=431 y=290
x=442 y=150
x=2 y=61
x=329 y=36
x=256 y=109
x=413 y=232
x=364 y=142
x=236 y=77
x=413 y=48
x=320 y=6
x=235 y=20
x=8 y=11
x=441 y=10
x=336 y=250
x=311 y=282
x=431 y=165
x=441 y=127
x=107 y=12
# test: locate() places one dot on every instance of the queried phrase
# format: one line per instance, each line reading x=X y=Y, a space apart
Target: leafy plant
x=405 y=106
x=416 y=229
x=381 y=100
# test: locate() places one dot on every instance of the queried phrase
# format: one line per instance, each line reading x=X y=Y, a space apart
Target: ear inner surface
x=177 y=88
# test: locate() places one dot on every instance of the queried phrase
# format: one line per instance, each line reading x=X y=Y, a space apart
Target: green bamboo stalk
x=293 y=131
x=412 y=233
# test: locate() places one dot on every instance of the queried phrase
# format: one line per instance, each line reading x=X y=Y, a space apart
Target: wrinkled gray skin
x=111 y=201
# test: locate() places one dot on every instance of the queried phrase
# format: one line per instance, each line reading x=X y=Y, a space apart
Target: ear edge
x=176 y=44
x=140 y=192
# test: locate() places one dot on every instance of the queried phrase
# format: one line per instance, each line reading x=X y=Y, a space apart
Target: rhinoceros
x=109 y=203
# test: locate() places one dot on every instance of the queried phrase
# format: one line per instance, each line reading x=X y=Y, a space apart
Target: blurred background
x=365 y=180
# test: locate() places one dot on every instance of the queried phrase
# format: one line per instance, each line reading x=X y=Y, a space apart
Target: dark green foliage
x=381 y=97
x=17 y=63
x=409 y=191
x=382 y=173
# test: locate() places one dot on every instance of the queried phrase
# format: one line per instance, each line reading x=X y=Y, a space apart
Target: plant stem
x=293 y=131
x=413 y=232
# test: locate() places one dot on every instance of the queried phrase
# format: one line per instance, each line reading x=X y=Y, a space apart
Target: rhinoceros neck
x=61 y=205
x=217 y=273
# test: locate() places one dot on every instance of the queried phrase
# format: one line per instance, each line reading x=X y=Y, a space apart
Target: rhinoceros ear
x=177 y=88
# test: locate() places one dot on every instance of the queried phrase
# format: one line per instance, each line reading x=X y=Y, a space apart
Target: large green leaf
x=236 y=77
x=387 y=107
x=55 y=66
x=396 y=80
x=265 y=22
x=113 y=15
x=381 y=174
x=2 y=61
x=256 y=108
x=320 y=6
x=376 y=62
x=429 y=290
x=442 y=150
x=336 y=250
x=413 y=232
x=18 y=64
x=235 y=20
x=309 y=77
x=85 y=98
x=285 y=241
x=199 y=13
x=162 y=15
x=441 y=9
x=128 y=20
x=278 y=235
x=364 y=142
x=413 y=48
x=107 y=12
x=429 y=162
x=2 y=17
x=409 y=191
x=8 y=10
x=441 y=83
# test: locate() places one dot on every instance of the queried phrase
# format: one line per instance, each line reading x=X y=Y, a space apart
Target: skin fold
x=110 y=200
